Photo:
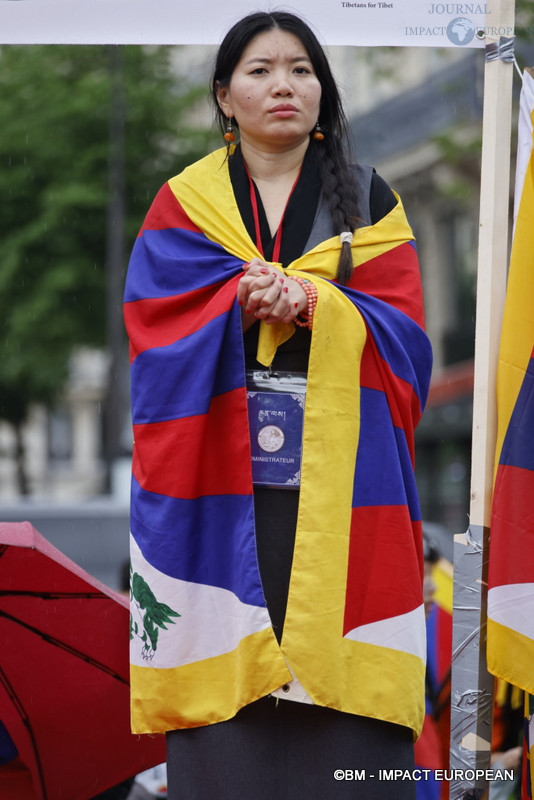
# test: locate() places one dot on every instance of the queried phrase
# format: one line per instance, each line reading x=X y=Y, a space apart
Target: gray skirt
x=290 y=751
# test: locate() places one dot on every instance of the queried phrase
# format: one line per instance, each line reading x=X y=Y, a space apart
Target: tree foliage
x=524 y=12
x=55 y=104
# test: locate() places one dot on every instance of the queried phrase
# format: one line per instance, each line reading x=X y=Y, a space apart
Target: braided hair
x=338 y=182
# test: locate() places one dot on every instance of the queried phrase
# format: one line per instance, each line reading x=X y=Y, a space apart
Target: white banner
x=368 y=23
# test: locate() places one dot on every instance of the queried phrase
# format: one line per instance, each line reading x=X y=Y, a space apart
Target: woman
x=273 y=258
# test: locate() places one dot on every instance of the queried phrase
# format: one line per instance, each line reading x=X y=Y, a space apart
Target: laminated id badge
x=276 y=415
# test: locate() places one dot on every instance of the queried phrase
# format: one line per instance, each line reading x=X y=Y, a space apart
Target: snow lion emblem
x=152 y=614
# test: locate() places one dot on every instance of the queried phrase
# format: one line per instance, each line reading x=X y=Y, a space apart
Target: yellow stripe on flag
x=518 y=319
x=509 y=654
x=442 y=574
x=168 y=688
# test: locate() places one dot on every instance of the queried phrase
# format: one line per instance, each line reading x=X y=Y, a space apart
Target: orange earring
x=229 y=136
x=317 y=134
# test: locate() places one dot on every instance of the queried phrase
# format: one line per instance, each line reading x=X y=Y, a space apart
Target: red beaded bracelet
x=311 y=294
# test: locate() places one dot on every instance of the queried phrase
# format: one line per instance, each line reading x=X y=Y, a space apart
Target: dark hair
x=336 y=178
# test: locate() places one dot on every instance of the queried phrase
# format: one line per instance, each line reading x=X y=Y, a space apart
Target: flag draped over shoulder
x=510 y=653
x=202 y=645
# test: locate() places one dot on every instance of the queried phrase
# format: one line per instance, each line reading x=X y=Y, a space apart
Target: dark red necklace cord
x=256 y=215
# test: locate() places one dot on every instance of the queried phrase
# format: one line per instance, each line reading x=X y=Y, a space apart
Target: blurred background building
x=415 y=114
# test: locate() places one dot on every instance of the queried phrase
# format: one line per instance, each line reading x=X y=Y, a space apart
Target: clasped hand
x=266 y=293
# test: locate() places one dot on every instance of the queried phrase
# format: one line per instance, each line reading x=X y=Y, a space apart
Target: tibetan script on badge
x=276 y=413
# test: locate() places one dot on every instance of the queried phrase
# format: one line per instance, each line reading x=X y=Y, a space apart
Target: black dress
x=275 y=748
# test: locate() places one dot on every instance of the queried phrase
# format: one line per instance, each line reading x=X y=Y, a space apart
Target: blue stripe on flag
x=380 y=479
x=163 y=393
x=518 y=446
x=221 y=552
x=160 y=264
x=396 y=335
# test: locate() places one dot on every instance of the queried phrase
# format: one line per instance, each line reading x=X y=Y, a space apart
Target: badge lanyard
x=256 y=215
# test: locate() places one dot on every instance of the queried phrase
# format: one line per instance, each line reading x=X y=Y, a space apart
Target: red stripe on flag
x=375 y=373
x=512 y=527
x=159 y=321
x=188 y=458
x=166 y=212
x=393 y=277
x=383 y=579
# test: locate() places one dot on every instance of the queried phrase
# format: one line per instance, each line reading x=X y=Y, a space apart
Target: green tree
x=55 y=106
x=524 y=20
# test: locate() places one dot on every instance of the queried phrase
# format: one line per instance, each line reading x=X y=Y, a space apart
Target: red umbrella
x=64 y=685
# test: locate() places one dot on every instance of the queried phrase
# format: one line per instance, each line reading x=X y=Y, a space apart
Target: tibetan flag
x=431 y=750
x=202 y=643
x=511 y=565
x=439 y=655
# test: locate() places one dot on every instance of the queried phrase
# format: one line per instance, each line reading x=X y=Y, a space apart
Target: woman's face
x=273 y=93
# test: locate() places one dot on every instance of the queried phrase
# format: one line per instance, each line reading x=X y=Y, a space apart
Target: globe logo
x=460 y=31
